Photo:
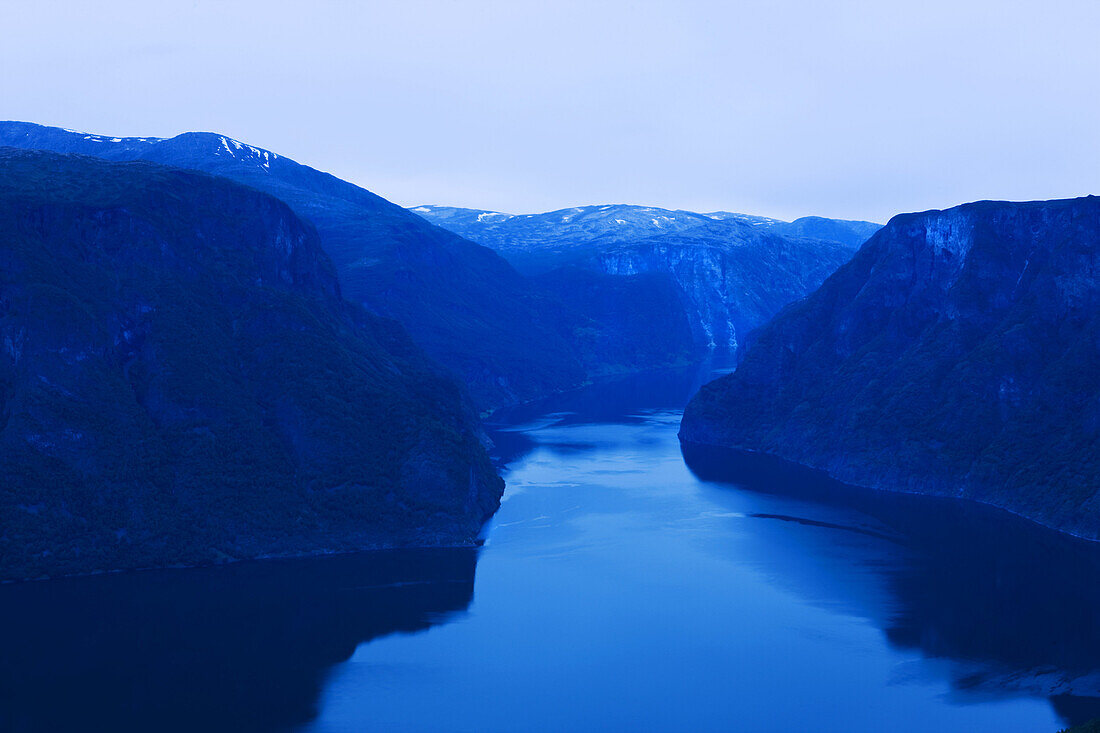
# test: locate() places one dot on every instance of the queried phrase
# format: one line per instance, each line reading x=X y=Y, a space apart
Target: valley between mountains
x=212 y=352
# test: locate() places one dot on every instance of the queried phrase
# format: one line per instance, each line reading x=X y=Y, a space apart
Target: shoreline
x=823 y=473
x=474 y=544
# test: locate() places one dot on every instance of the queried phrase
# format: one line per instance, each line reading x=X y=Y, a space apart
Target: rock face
x=732 y=271
x=733 y=278
x=958 y=354
x=503 y=334
x=844 y=231
x=181 y=382
x=623 y=322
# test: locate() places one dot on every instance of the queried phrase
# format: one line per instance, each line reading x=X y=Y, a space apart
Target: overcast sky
x=843 y=109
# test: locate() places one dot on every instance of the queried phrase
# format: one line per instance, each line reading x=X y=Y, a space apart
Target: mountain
x=181 y=382
x=535 y=243
x=504 y=336
x=732 y=271
x=850 y=233
x=1093 y=726
x=846 y=232
x=751 y=219
x=624 y=322
x=957 y=354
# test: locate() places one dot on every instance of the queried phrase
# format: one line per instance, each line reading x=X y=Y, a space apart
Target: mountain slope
x=850 y=233
x=733 y=277
x=624 y=322
x=958 y=353
x=181 y=382
x=732 y=271
x=535 y=243
x=461 y=302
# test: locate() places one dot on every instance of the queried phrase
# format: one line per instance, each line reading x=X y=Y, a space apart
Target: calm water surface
x=620 y=588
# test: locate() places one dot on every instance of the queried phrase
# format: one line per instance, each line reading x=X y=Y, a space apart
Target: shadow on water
x=1010 y=607
x=996 y=605
x=242 y=647
x=622 y=401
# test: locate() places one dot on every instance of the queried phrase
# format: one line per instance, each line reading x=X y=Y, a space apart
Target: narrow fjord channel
x=619 y=588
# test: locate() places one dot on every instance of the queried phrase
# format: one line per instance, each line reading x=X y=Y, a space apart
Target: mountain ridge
x=500 y=230
x=957 y=354
x=732 y=271
x=170 y=345
x=509 y=339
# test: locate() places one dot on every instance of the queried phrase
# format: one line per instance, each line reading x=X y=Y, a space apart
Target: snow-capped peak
x=261 y=156
x=105 y=139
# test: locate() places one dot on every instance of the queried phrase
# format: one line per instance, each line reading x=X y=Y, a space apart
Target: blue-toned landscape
x=631 y=366
x=646 y=592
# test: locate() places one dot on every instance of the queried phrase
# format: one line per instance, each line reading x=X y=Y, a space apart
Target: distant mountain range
x=181 y=382
x=957 y=354
x=731 y=271
x=509 y=339
x=634 y=288
x=526 y=240
x=209 y=351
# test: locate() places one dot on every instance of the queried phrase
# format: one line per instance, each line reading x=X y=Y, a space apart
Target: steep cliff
x=733 y=277
x=463 y=304
x=732 y=271
x=624 y=323
x=958 y=354
x=181 y=382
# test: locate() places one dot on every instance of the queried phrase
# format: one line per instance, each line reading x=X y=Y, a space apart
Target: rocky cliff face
x=503 y=334
x=623 y=322
x=732 y=271
x=732 y=277
x=958 y=354
x=181 y=382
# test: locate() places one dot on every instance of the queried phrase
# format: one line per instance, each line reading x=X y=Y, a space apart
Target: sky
x=846 y=109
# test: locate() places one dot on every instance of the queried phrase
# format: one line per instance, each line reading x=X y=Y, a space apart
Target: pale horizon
x=850 y=111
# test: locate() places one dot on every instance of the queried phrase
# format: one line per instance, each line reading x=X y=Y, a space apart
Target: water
x=620 y=588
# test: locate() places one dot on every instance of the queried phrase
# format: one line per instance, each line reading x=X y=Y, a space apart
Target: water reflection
x=998 y=605
x=626 y=400
x=618 y=591
x=1011 y=608
x=237 y=648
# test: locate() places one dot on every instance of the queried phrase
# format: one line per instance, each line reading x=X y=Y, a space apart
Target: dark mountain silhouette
x=957 y=354
x=181 y=382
